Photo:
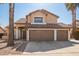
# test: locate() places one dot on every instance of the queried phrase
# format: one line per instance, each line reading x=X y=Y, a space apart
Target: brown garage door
x=62 y=35
x=41 y=35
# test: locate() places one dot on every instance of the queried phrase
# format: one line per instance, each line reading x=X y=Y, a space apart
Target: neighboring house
x=2 y=32
x=77 y=28
x=41 y=25
x=77 y=24
x=7 y=31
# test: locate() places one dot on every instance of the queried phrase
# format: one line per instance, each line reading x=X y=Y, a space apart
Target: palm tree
x=11 y=25
x=72 y=7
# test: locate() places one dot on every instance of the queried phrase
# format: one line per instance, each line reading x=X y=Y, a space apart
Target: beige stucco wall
x=48 y=19
x=51 y=19
x=19 y=25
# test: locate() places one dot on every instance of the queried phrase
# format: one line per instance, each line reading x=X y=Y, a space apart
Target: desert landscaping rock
x=4 y=50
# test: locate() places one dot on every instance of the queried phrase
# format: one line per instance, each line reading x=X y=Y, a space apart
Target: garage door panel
x=41 y=35
x=33 y=35
x=62 y=35
x=47 y=35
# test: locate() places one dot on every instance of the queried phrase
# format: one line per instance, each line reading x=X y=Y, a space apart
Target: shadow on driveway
x=48 y=45
x=22 y=47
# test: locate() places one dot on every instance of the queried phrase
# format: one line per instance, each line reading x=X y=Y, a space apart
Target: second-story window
x=38 y=19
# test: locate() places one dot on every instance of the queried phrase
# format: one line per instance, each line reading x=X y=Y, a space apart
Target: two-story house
x=41 y=25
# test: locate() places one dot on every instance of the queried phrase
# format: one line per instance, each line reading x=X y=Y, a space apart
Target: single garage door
x=41 y=35
x=62 y=35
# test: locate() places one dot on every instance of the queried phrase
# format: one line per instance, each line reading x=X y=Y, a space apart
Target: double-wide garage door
x=42 y=35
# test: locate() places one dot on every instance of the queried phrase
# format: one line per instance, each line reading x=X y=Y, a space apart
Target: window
x=38 y=19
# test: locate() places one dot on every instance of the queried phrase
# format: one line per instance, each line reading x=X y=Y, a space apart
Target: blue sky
x=22 y=9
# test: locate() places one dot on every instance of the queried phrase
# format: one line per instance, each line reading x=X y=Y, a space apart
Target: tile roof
x=21 y=20
x=65 y=25
x=46 y=26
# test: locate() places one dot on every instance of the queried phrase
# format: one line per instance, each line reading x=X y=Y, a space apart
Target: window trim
x=38 y=23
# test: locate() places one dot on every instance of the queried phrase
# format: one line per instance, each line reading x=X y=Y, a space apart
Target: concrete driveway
x=52 y=48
